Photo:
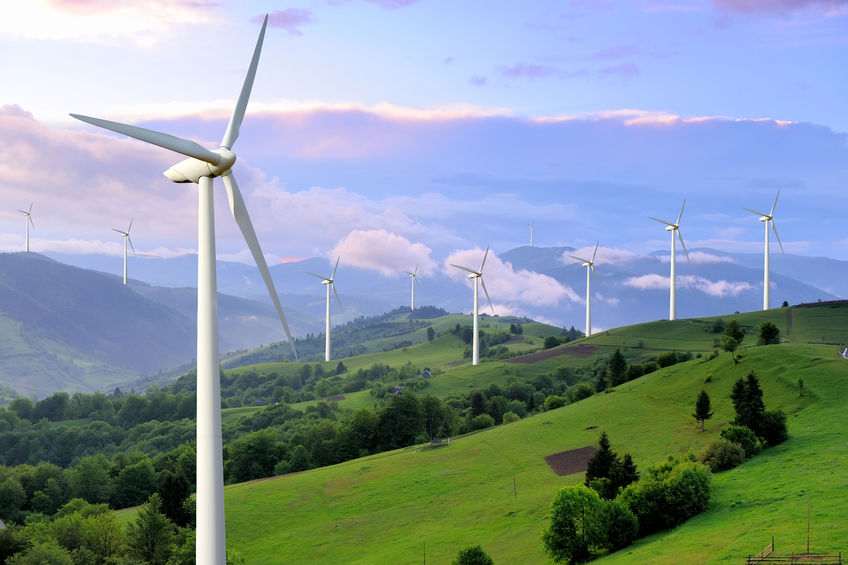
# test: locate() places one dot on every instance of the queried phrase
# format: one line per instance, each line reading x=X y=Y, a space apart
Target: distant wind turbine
x=329 y=282
x=202 y=166
x=27 y=222
x=126 y=236
x=590 y=266
x=414 y=280
x=532 y=232
x=475 y=276
x=768 y=219
x=674 y=229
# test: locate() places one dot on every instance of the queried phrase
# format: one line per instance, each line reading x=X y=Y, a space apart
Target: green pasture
x=494 y=487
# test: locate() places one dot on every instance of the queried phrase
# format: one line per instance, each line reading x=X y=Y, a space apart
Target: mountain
x=64 y=328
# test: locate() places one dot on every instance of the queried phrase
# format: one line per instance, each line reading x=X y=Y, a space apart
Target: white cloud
x=605 y=255
x=647 y=282
x=387 y=253
x=505 y=284
x=720 y=288
x=698 y=258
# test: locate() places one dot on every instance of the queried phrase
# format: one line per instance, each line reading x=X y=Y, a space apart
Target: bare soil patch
x=337 y=398
x=571 y=461
x=579 y=351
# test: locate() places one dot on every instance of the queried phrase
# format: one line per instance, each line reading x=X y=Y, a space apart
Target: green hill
x=494 y=487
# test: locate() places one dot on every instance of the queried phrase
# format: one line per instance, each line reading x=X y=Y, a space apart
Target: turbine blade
x=119 y=231
x=415 y=281
x=322 y=277
x=597 y=280
x=415 y=272
x=483 y=284
x=239 y=211
x=339 y=300
x=775 y=203
x=579 y=259
x=777 y=236
x=408 y=273
x=232 y=132
x=29 y=217
x=333 y=276
x=756 y=212
x=484 y=260
x=596 y=251
x=660 y=221
x=680 y=237
x=168 y=141
x=681 y=212
x=464 y=269
x=130 y=226
x=31 y=203
x=129 y=239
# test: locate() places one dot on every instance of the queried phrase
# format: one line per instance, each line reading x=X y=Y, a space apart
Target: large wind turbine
x=329 y=282
x=27 y=221
x=674 y=229
x=590 y=266
x=413 y=281
x=202 y=166
x=477 y=276
x=126 y=236
x=768 y=219
x=532 y=233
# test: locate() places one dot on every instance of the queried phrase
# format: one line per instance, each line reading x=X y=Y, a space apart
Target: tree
x=722 y=454
x=399 y=422
x=174 y=489
x=472 y=555
x=769 y=334
x=150 y=536
x=732 y=339
x=135 y=483
x=773 y=427
x=12 y=499
x=702 y=408
x=42 y=554
x=434 y=415
x=602 y=462
x=431 y=333
x=90 y=479
x=479 y=405
x=551 y=341
x=617 y=368
x=748 y=402
x=573 y=528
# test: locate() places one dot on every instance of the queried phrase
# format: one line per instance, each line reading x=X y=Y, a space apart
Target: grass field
x=494 y=487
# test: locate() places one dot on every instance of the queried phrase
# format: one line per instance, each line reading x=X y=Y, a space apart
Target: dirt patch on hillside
x=337 y=398
x=579 y=351
x=571 y=461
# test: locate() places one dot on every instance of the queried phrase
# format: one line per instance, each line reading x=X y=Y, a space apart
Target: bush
x=579 y=392
x=667 y=359
x=722 y=454
x=553 y=402
x=620 y=525
x=551 y=341
x=573 y=528
x=774 y=427
x=482 y=421
x=510 y=417
x=744 y=437
x=472 y=555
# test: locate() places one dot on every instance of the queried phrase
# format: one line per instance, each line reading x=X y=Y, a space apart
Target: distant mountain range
x=75 y=328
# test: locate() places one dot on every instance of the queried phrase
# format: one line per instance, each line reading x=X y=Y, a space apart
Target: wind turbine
x=27 y=221
x=201 y=167
x=590 y=266
x=768 y=219
x=126 y=236
x=414 y=280
x=532 y=232
x=477 y=276
x=674 y=229
x=329 y=282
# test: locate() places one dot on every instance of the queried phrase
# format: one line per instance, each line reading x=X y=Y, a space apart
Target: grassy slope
x=383 y=508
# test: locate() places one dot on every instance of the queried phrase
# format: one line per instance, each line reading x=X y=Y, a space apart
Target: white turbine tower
x=202 y=166
x=532 y=233
x=413 y=281
x=126 y=236
x=674 y=229
x=329 y=282
x=590 y=266
x=477 y=276
x=768 y=219
x=27 y=221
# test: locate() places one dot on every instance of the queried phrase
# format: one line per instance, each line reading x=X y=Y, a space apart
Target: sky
x=397 y=133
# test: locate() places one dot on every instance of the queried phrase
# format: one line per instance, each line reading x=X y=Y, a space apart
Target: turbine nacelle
x=191 y=169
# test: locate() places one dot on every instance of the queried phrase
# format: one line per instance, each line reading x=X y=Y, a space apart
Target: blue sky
x=398 y=132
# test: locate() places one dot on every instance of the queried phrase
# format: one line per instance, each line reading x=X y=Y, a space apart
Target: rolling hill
x=494 y=487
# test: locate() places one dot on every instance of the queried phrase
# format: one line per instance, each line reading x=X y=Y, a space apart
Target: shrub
x=580 y=391
x=482 y=421
x=553 y=402
x=573 y=528
x=667 y=359
x=551 y=341
x=510 y=417
x=620 y=525
x=774 y=427
x=472 y=555
x=744 y=437
x=722 y=454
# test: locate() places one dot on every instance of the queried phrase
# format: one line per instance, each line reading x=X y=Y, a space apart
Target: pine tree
x=702 y=408
x=617 y=367
x=748 y=402
x=601 y=464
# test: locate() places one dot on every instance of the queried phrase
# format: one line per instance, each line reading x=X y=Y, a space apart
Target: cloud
x=290 y=19
x=144 y=22
x=699 y=258
x=387 y=253
x=605 y=255
x=527 y=70
x=506 y=285
x=720 y=288
x=478 y=80
x=385 y=4
x=627 y=70
x=828 y=7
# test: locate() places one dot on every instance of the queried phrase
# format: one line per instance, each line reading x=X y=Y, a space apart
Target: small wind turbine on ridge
x=674 y=229
x=590 y=266
x=768 y=219
x=477 y=276
x=329 y=282
x=126 y=236
x=202 y=167
x=27 y=222
x=414 y=281
x=532 y=232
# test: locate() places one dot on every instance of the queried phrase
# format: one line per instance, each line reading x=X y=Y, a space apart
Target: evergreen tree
x=702 y=408
x=150 y=536
x=748 y=402
x=769 y=334
x=617 y=368
x=601 y=464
